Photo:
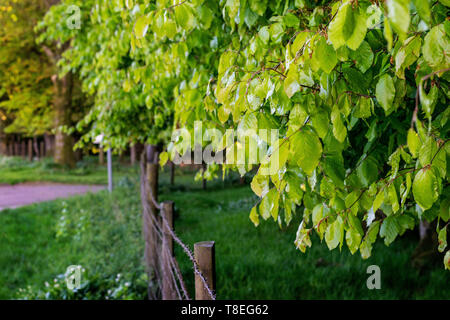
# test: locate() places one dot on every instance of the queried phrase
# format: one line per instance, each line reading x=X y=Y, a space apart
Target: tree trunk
x=3 y=146
x=426 y=254
x=48 y=145
x=42 y=150
x=62 y=100
x=36 y=147
x=133 y=154
x=30 y=150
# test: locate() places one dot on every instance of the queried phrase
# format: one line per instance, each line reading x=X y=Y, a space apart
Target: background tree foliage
x=25 y=86
x=357 y=89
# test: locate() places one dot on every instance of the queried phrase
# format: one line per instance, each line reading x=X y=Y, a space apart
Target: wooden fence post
x=101 y=156
x=30 y=150
x=152 y=243
x=168 y=289
x=204 y=253
x=42 y=150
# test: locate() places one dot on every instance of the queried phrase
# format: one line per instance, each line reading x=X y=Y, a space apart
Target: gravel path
x=13 y=196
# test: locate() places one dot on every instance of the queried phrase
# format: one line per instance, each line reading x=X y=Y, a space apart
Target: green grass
x=262 y=263
x=15 y=170
x=103 y=234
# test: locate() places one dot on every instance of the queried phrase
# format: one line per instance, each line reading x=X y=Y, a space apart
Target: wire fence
x=158 y=232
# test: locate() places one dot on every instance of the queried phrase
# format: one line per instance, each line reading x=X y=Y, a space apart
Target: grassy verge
x=103 y=234
x=15 y=170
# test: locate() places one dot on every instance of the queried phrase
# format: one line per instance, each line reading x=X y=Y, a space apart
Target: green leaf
x=427 y=151
x=364 y=108
x=260 y=185
x=307 y=150
x=425 y=188
x=442 y=239
x=363 y=57
x=353 y=240
x=299 y=42
x=279 y=156
x=163 y=158
x=407 y=55
x=141 y=27
x=368 y=171
x=170 y=28
x=326 y=55
x=302 y=239
x=348 y=27
x=385 y=93
x=444 y=212
x=335 y=233
x=269 y=205
x=317 y=214
x=290 y=20
x=405 y=222
x=423 y=8
x=254 y=216
x=436 y=47
x=127 y=85
x=339 y=129
x=389 y=229
x=378 y=201
x=264 y=34
x=369 y=239
x=447 y=260
x=249 y=122
x=320 y=122
x=393 y=198
x=258 y=7
x=334 y=168
x=293 y=187
x=388 y=33
x=398 y=15
x=413 y=142
x=291 y=83
x=185 y=17
x=428 y=101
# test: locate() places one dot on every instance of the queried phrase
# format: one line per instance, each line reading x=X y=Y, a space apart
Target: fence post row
x=159 y=253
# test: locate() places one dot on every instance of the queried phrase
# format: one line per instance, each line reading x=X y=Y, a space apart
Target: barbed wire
x=190 y=255
x=150 y=220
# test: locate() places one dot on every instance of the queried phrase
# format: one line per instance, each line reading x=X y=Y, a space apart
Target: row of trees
x=357 y=89
x=34 y=100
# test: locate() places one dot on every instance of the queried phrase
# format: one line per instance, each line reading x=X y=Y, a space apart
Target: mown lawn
x=103 y=234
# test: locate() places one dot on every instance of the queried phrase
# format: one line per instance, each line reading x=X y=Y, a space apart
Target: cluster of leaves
x=129 y=100
x=357 y=89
